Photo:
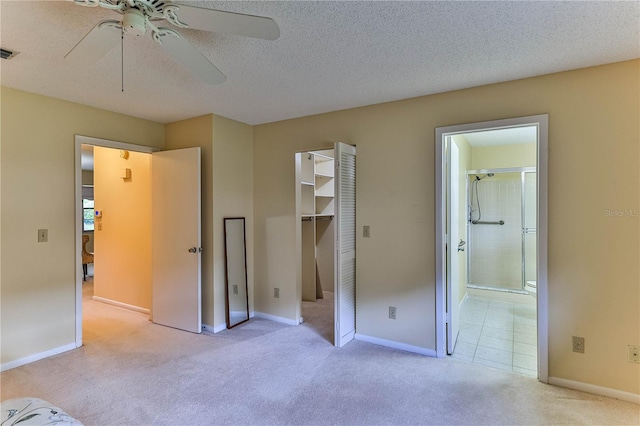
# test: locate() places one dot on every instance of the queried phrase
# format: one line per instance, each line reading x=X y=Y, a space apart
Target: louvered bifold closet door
x=345 y=193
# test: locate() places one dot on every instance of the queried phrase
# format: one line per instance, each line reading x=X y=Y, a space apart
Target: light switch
x=366 y=232
x=43 y=235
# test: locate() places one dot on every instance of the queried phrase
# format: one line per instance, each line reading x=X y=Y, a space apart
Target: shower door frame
x=521 y=171
x=541 y=122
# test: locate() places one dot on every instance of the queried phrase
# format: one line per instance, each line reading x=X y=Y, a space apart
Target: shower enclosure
x=501 y=228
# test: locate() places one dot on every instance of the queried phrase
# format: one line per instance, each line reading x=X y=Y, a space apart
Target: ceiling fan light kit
x=134 y=22
x=140 y=15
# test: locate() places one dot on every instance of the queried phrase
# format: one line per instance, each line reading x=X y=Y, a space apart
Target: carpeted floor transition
x=133 y=372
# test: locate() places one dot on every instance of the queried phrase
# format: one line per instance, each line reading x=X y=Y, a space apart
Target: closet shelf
x=324 y=176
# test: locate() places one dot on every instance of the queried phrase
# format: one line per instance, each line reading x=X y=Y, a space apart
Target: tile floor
x=498 y=334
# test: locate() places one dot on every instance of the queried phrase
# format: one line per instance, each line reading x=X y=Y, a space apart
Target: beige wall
x=502 y=156
x=232 y=197
x=122 y=236
x=186 y=134
x=227 y=164
x=594 y=120
x=594 y=272
x=38 y=279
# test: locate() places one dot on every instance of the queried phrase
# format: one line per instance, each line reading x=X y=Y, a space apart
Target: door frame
x=79 y=141
x=452 y=256
x=298 y=239
x=298 y=233
x=542 y=123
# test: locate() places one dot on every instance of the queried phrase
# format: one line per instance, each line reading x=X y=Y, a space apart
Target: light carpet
x=133 y=372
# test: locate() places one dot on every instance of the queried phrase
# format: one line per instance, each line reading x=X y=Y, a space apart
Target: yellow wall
x=122 y=236
x=186 y=134
x=594 y=121
x=502 y=156
x=38 y=191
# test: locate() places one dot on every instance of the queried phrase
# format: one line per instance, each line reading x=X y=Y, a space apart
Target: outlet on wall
x=634 y=354
x=578 y=344
x=276 y=292
x=392 y=312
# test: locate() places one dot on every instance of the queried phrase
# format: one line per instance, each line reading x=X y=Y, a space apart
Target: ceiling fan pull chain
x=122 y=58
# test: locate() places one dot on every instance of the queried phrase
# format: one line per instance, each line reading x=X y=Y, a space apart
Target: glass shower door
x=529 y=240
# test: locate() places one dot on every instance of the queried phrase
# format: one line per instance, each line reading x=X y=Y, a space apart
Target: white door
x=176 y=244
x=453 y=254
x=345 y=239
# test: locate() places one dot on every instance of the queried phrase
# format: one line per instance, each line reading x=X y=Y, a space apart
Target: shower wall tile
x=496 y=251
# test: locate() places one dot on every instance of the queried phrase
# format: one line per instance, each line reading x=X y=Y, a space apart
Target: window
x=87 y=215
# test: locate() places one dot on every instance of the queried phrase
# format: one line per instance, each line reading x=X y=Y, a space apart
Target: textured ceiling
x=330 y=55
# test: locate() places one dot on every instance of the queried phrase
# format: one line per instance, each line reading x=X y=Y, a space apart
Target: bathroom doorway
x=492 y=306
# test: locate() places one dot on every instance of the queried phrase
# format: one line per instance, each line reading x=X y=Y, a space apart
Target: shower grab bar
x=477 y=222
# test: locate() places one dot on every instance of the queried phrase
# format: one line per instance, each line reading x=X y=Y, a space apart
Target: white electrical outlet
x=578 y=344
x=634 y=354
x=276 y=292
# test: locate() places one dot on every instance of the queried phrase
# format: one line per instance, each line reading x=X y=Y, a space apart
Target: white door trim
x=542 y=123
x=79 y=141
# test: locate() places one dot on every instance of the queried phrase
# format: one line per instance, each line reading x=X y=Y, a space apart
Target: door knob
x=193 y=250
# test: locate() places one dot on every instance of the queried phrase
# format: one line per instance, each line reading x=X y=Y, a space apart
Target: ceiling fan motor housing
x=134 y=22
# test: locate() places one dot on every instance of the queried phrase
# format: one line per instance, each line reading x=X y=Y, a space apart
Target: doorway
x=325 y=241
x=175 y=179
x=470 y=214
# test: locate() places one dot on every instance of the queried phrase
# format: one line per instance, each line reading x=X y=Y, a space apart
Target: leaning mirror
x=236 y=271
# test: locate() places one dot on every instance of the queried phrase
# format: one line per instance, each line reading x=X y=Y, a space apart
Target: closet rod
x=324 y=217
x=307 y=219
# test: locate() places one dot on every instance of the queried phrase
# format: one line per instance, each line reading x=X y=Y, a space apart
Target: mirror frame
x=226 y=271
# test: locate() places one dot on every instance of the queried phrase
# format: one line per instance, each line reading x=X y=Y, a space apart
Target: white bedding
x=33 y=411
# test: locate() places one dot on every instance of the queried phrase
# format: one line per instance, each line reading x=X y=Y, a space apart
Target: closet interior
x=316 y=181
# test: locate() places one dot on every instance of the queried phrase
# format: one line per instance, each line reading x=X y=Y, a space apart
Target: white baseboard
x=596 y=390
x=395 y=345
x=213 y=329
x=275 y=318
x=37 y=357
x=466 y=296
x=122 y=305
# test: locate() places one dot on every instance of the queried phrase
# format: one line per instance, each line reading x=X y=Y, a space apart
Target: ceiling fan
x=140 y=16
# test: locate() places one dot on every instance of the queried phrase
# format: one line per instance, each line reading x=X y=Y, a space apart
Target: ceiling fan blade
x=184 y=53
x=97 y=43
x=228 y=22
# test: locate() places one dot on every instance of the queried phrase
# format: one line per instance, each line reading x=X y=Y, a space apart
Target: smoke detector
x=7 y=54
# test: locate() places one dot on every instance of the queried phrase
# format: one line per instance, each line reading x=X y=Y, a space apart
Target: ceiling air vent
x=7 y=54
